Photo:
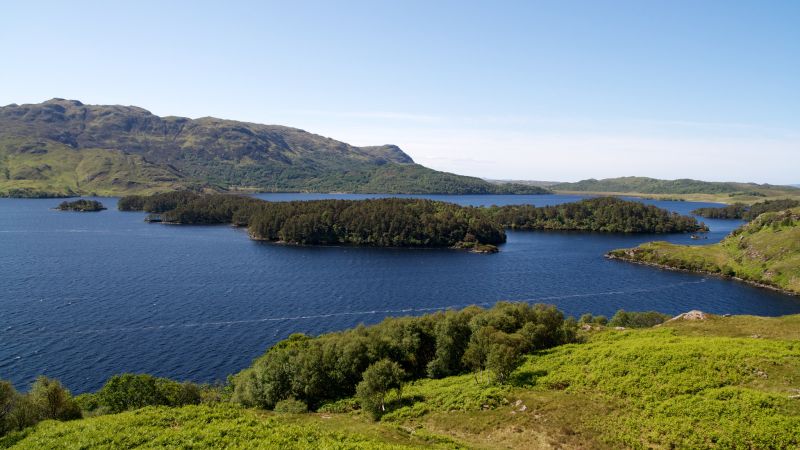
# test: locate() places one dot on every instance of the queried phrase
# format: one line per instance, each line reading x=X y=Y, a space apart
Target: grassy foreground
x=765 y=251
x=724 y=382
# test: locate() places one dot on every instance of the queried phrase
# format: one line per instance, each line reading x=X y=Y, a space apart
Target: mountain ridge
x=66 y=147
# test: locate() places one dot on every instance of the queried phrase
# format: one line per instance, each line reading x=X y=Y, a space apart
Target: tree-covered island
x=395 y=222
x=81 y=205
x=386 y=222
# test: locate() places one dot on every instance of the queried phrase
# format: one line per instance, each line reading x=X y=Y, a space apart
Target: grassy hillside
x=723 y=382
x=219 y=426
x=724 y=192
x=765 y=251
x=64 y=147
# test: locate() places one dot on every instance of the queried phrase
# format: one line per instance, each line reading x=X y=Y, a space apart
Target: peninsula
x=764 y=252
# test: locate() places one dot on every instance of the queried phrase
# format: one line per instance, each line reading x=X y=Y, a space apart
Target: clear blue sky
x=559 y=90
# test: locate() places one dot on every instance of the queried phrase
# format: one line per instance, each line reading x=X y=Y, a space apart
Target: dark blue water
x=86 y=295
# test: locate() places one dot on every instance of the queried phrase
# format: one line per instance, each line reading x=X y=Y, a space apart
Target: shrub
x=638 y=319
x=291 y=406
x=131 y=391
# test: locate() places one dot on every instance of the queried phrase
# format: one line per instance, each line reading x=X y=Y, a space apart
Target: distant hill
x=63 y=147
x=643 y=185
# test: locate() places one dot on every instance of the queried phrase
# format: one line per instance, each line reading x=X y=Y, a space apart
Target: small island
x=81 y=205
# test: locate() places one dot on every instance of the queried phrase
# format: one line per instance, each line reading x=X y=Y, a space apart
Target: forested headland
x=765 y=251
x=746 y=212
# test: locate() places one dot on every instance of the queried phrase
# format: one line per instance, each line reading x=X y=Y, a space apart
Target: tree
x=52 y=400
x=378 y=380
x=502 y=360
x=7 y=397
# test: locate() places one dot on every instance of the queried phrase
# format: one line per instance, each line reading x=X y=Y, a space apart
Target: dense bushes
x=330 y=367
x=645 y=319
x=606 y=214
x=131 y=391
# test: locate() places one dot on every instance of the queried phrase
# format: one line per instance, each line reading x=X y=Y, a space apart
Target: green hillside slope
x=65 y=147
x=719 y=382
x=726 y=192
x=765 y=251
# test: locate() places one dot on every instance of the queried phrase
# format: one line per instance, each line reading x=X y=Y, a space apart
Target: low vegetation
x=745 y=212
x=81 y=206
x=766 y=251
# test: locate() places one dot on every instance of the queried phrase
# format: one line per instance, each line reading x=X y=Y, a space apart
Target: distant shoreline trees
x=744 y=212
x=604 y=214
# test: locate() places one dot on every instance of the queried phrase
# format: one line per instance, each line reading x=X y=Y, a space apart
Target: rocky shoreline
x=702 y=272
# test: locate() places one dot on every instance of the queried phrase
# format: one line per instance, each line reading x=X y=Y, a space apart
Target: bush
x=291 y=406
x=131 y=391
x=638 y=319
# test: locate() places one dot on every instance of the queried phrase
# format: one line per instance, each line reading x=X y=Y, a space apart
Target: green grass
x=765 y=251
x=221 y=426
x=678 y=390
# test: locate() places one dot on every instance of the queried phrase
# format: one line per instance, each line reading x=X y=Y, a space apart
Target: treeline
x=607 y=214
x=742 y=211
x=318 y=371
x=387 y=222
x=81 y=205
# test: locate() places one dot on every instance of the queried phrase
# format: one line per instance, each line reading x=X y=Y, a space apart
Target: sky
x=560 y=90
